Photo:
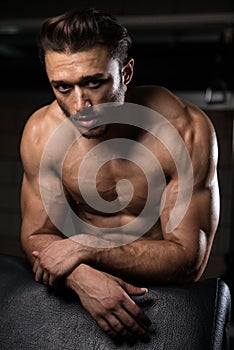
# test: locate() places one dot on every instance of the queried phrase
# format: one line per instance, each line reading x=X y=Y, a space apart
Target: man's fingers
x=133 y=290
x=130 y=323
x=35 y=265
x=118 y=326
x=51 y=280
x=35 y=253
x=39 y=273
x=45 y=277
x=107 y=328
x=138 y=314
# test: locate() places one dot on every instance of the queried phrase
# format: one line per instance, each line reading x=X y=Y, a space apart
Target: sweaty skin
x=105 y=278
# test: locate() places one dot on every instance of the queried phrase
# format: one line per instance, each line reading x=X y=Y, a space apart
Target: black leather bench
x=33 y=316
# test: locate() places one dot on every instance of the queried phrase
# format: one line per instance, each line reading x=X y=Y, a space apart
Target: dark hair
x=78 y=30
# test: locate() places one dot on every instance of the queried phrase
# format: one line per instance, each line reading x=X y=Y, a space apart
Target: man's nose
x=80 y=99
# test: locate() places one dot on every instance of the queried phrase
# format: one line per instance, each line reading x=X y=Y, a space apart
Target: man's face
x=85 y=79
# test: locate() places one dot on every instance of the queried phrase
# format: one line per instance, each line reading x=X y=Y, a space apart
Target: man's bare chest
x=113 y=181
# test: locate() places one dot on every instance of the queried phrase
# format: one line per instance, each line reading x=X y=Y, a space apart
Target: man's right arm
x=104 y=296
x=37 y=231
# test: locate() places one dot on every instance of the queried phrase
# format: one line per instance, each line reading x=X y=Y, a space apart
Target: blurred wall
x=28 y=9
x=175 y=63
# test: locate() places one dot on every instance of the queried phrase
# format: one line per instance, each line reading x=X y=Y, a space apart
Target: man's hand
x=57 y=260
x=107 y=299
x=60 y=257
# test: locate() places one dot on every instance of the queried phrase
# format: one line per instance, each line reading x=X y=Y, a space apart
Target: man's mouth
x=87 y=118
x=87 y=122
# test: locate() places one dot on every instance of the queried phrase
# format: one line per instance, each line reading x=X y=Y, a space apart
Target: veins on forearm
x=144 y=262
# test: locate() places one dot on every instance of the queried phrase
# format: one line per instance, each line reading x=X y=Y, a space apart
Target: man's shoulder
x=191 y=123
x=48 y=114
x=157 y=98
x=38 y=129
x=42 y=122
x=182 y=114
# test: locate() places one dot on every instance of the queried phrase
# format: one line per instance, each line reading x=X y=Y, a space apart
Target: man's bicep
x=193 y=229
x=37 y=230
x=34 y=214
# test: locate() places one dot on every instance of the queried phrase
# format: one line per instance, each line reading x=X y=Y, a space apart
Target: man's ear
x=127 y=71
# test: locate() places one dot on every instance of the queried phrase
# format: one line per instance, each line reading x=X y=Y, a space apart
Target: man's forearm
x=37 y=242
x=146 y=261
x=143 y=261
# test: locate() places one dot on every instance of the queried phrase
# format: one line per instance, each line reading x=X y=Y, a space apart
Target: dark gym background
x=186 y=46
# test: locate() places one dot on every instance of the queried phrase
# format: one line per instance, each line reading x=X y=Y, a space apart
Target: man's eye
x=63 y=88
x=94 y=84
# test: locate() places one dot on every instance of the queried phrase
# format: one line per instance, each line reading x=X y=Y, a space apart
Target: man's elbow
x=194 y=260
x=191 y=271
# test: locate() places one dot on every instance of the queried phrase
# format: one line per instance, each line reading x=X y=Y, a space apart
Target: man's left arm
x=181 y=256
x=182 y=253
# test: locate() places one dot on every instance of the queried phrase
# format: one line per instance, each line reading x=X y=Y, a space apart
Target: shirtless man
x=86 y=57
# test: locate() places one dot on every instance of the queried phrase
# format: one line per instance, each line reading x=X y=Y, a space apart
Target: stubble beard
x=100 y=130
